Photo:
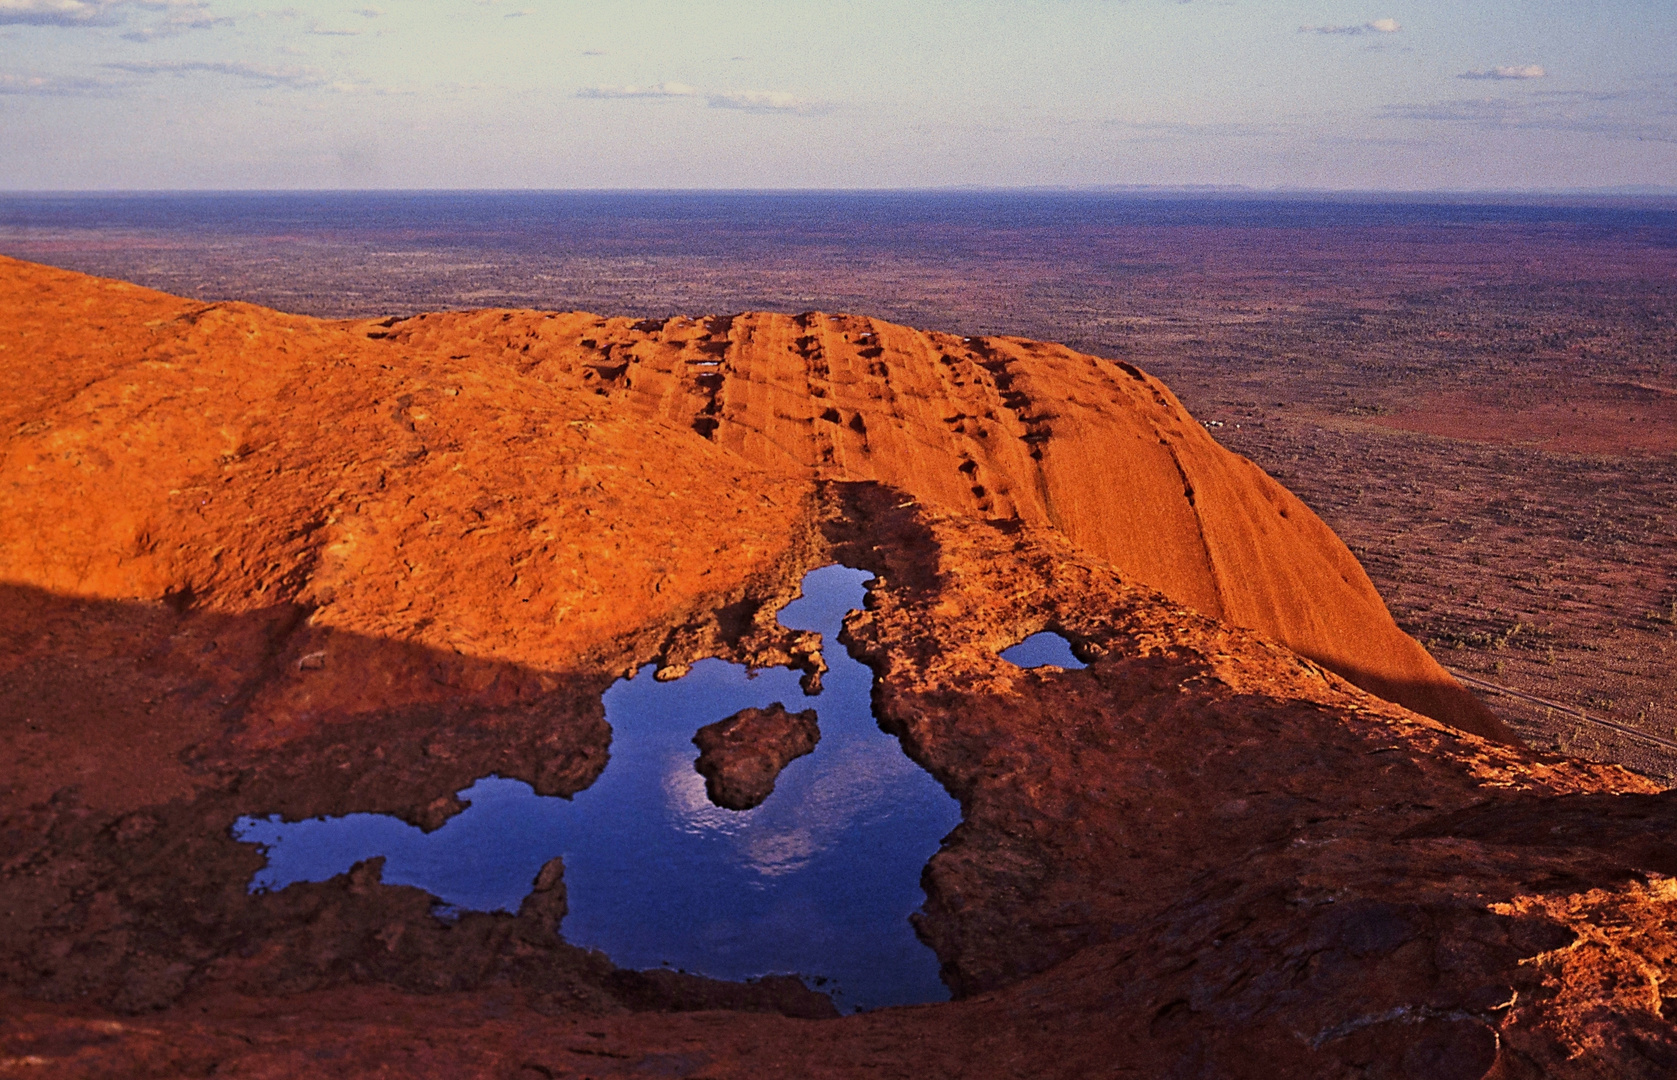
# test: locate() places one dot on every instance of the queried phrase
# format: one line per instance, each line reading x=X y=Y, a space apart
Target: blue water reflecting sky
x=1042 y=650
x=819 y=880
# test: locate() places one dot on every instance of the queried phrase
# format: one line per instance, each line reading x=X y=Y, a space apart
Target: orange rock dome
x=223 y=450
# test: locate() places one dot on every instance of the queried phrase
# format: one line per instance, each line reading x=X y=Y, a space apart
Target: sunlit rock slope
x=273 y=456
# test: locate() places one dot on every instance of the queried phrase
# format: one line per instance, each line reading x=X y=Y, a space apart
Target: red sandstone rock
x=741 y=757
x=1001 y=429
x=251 y=562
x=396 y=436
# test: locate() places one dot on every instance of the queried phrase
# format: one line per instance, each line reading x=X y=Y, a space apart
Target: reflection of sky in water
x=1041 y=650
x=818 y=880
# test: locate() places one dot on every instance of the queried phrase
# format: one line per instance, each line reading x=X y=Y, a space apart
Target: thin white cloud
x=48 y=85
x=1609 y=114
x=761 y=101
x=519 y=14
x=593 y=52
x=331 y=31
x=369 y=12
x=297 y=78
x=59 y=12
x=181 y=15
x=1526 y=71
x=775 y=101
x=1159 y=131
x=1378 y=26
x=346 y=86
x=656 y=90
x=171 y=27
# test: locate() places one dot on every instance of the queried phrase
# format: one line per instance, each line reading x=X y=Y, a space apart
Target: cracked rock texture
x=255 y=563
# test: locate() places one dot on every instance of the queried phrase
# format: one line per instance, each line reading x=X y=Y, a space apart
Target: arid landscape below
x=365 y=505
x=1502 y=460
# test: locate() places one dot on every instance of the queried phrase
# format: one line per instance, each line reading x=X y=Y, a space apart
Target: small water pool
x=1046 y=649
x=818 y=881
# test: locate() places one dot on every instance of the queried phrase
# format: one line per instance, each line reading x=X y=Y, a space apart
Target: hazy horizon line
x=1632 y=191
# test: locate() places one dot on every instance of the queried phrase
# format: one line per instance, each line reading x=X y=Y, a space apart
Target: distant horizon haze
x=1634 y=193
x=1073 y=266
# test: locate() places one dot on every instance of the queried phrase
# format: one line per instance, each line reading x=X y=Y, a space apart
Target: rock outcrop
x=741 y=757
x=450 y=410
x=1002 y=429
x=255 y=563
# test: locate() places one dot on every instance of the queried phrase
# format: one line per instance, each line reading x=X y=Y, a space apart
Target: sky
x=1389 y=95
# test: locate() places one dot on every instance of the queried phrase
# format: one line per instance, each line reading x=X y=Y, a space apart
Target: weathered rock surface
x=998 y=429
x=397 y=438
x=253 y=563
x=741 y=757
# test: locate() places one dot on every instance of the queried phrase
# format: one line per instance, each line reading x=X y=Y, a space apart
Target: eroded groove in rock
x=1110 y=463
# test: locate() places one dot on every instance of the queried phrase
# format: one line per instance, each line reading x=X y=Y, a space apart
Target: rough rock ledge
x=255 y=563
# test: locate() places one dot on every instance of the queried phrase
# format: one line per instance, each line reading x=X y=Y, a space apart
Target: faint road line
x=1623 y=729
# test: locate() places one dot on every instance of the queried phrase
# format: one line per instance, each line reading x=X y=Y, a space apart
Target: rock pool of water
x=818 y=881
x=1043 y=650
